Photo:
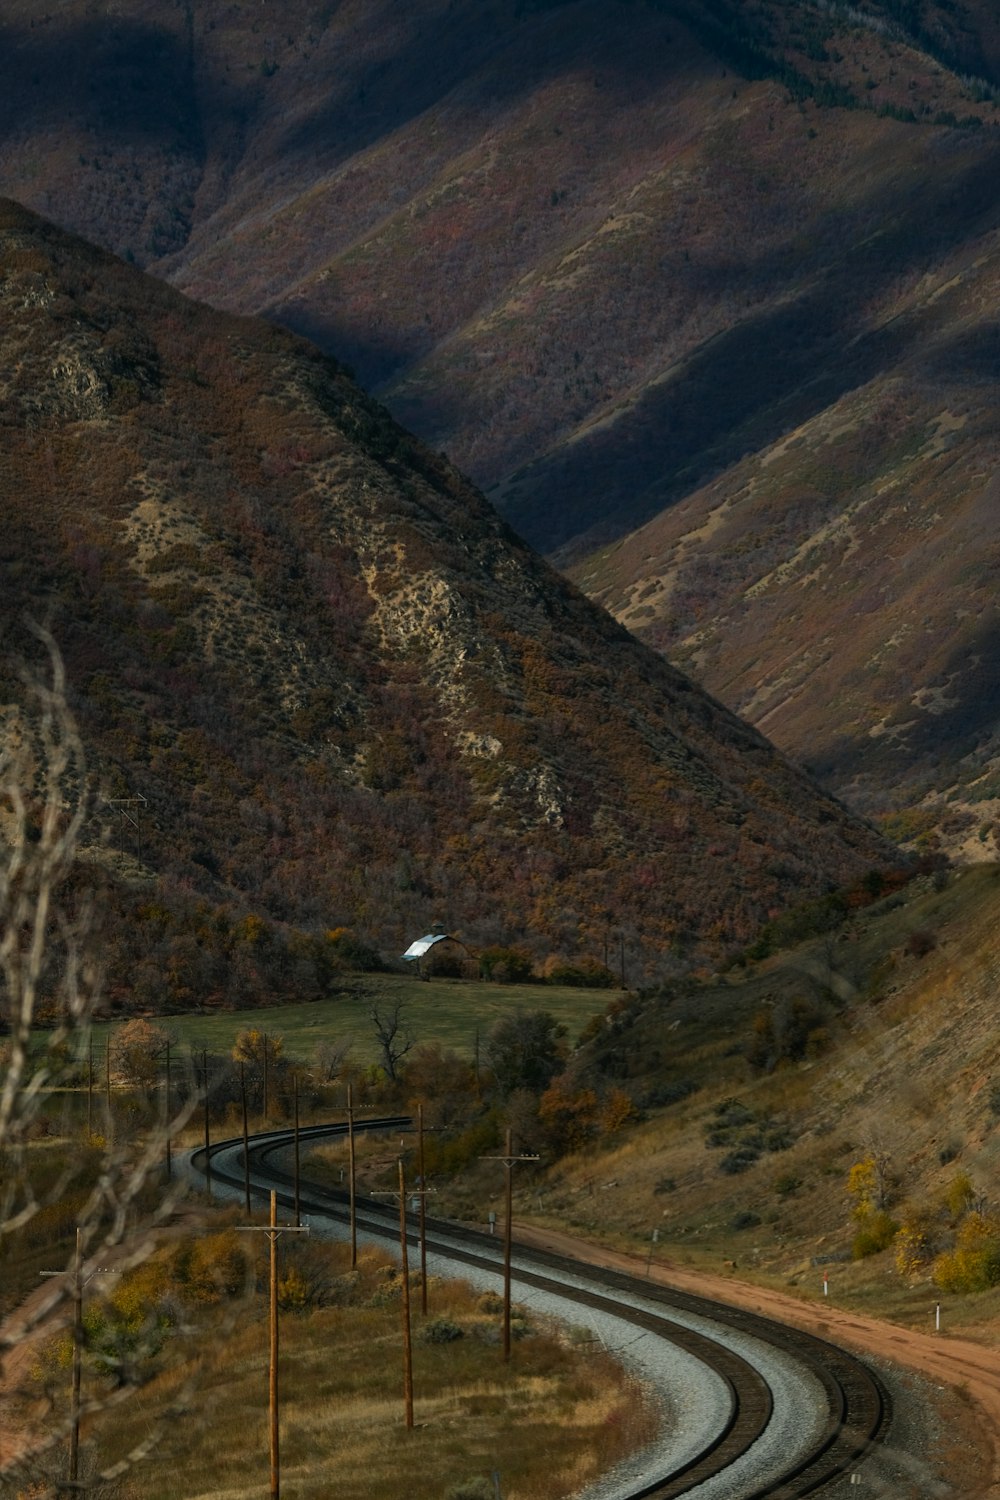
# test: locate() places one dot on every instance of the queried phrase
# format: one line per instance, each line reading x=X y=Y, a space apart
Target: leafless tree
x=331 y=1057
x=393 y=1038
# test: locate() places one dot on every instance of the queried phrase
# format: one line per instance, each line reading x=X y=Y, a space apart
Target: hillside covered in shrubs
x=318 y=682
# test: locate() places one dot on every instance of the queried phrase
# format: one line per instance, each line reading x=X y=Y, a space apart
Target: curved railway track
x=857 y=1407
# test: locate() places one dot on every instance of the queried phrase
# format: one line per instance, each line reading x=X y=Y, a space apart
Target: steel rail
x=858 y=1408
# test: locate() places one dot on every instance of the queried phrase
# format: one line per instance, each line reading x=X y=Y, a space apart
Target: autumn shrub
x=446 y=1155
x=917 y=1239
x=974 y=1264
x=869 y=1183
x=505 y=965
x=311 y=1275
x=440 y=1331
x=568 y=1114
x=920 y=943
x=875 y=1231
x=587 y=973
x=292 y=1291
x=616 y=1111
x=663 y=1094
x=959 y=1196
x=211 y=1267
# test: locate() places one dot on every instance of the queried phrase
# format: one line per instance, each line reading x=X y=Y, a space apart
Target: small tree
x=137 y=1052
x=331 y=1057
x=526 y=1051
x=960 y=1196
x=568 y=1114
x=917 y=1239
x=442 y=1081
x=261 y=1056
x=869 y=1182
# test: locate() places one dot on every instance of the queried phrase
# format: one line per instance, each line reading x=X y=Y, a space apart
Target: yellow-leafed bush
x=876 y=1231
x=213 y=1268
x=974 y=1264
x=914 y=1244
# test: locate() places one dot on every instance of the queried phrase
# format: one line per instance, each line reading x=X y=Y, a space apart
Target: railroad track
x=857 y=1406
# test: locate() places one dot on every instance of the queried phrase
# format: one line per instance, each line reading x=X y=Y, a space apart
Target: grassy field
x=449 y=1011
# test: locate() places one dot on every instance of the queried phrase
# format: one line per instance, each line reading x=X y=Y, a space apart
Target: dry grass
x=547 y=1423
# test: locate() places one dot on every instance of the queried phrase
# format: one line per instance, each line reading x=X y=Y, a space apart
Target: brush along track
x=857 y=1406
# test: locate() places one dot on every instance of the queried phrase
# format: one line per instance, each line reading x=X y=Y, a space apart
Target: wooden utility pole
x=73 y=1466
x=263 y=1118
x=295 y=1095
x=273 y=1230
x=90 y=1089
x=352 y=1190
x=74 y=1401
x=423 y=1210
x=508 y=1160
x=352 y=1173
x=273 y=1323
x=166 y=1121
x=208 y=1142
x=407 y=1344
x=246 y=1138
x=400 y=1192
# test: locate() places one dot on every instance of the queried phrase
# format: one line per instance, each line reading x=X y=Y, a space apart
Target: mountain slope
x=613 y=259
x=348 y=693
x=543 y=231
x=838 y=587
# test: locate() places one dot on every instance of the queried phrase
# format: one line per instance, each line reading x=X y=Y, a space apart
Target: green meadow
x=452 y=1012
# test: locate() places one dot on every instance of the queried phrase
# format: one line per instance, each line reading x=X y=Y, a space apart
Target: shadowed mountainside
x=348 y=693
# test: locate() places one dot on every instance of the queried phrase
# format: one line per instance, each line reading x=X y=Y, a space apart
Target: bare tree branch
x=49 y=986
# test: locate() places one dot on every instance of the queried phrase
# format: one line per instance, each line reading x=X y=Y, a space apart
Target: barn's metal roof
x=420 y=947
